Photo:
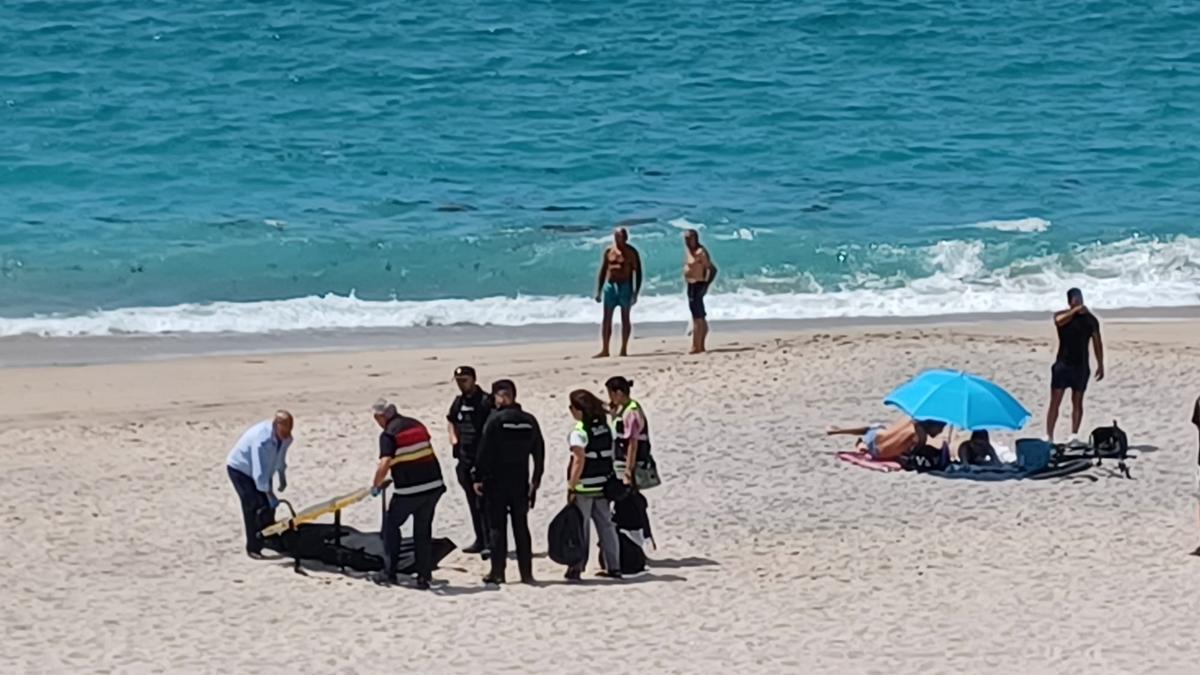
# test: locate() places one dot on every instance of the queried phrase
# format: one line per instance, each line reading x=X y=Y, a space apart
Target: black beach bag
x=1110 y=442
x=565 y=537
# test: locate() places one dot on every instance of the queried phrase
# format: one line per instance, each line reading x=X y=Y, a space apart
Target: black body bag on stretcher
x=340 y=546
x=345 y=547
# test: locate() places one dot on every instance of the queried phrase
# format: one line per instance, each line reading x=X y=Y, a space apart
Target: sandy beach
x=122 y=548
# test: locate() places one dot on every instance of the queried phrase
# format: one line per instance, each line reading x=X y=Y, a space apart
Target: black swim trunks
x=695 y=296
x=1064 y=375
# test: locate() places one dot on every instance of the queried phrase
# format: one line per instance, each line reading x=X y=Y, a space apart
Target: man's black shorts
x=1066 y=376
x=695 y=296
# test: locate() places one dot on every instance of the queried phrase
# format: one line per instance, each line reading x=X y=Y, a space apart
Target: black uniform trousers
x=474 y=501
x=421 y=508
x=504 y=497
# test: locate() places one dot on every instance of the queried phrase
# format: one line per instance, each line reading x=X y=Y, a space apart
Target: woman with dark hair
x=631 y=449
x=591 y=443
x=632 y=433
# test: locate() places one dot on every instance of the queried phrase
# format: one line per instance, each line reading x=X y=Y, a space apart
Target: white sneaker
x=1076 y=442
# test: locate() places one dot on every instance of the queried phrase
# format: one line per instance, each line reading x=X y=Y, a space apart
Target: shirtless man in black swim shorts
x=698 y=274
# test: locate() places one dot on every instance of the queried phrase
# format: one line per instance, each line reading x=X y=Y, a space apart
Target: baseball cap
x=464 y=371
x=504 y=385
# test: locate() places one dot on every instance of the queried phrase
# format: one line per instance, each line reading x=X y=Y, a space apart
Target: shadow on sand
x=681 y=563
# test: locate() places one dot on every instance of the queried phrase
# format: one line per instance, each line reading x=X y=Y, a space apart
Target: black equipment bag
x=1110 y=442
x=565 y=537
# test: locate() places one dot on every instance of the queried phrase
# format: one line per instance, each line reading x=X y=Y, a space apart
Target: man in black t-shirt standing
x=1077 y=328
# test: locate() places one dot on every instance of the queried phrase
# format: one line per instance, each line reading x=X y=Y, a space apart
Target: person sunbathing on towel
x=889 y=442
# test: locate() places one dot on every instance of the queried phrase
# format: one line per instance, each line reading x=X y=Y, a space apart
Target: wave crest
x=1129 y=273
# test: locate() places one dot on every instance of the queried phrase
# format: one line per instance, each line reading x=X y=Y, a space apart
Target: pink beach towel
x=867 y=462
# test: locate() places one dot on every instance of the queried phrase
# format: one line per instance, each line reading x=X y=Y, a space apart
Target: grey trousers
x=598 y=510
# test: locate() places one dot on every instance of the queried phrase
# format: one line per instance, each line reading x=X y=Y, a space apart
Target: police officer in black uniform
x=511 y=438
x=467 y=416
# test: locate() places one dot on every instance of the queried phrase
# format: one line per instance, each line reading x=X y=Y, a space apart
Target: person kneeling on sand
x=890 y=442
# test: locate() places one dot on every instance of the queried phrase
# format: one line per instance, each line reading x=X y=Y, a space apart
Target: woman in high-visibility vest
x=591 y=468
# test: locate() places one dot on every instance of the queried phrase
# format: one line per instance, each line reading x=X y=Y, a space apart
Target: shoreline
x=27 y=351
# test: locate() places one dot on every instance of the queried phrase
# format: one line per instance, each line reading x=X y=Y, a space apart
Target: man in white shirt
x=260 y=453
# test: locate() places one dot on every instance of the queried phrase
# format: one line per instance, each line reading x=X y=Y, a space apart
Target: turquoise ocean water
x=332 y=164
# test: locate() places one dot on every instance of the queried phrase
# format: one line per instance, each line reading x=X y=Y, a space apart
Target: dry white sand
x=122 y=542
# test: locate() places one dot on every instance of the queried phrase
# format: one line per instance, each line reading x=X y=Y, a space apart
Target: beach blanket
x=1003 y=472
x=867 y=462
x=984 y=472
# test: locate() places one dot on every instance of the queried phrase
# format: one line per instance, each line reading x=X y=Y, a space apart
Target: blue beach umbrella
x=959 y=399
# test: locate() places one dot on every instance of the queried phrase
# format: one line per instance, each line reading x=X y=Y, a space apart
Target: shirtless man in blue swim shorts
x=618 y=285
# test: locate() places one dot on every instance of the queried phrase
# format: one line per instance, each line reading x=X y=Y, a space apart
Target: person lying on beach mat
x=889 y=442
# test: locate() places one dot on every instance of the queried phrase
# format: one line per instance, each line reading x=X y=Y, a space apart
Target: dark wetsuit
x=511 y=438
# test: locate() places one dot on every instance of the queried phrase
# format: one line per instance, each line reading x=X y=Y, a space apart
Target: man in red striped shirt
x=405 y=451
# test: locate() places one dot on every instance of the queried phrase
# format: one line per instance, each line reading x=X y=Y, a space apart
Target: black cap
x=504 y=385
x=464 y=371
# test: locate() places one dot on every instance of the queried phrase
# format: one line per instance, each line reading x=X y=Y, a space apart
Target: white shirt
x=260 y=455
x=577 y=439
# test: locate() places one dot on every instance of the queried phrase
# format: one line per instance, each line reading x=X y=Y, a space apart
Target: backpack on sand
x=565 y=537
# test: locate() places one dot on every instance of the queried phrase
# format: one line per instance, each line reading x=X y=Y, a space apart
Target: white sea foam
x=1027 y=225
x=1128 y=273
x=685 y=224
x=740 y=234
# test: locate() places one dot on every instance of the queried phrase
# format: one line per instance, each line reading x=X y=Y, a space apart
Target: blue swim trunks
x=618 y=294
x=870 y=437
